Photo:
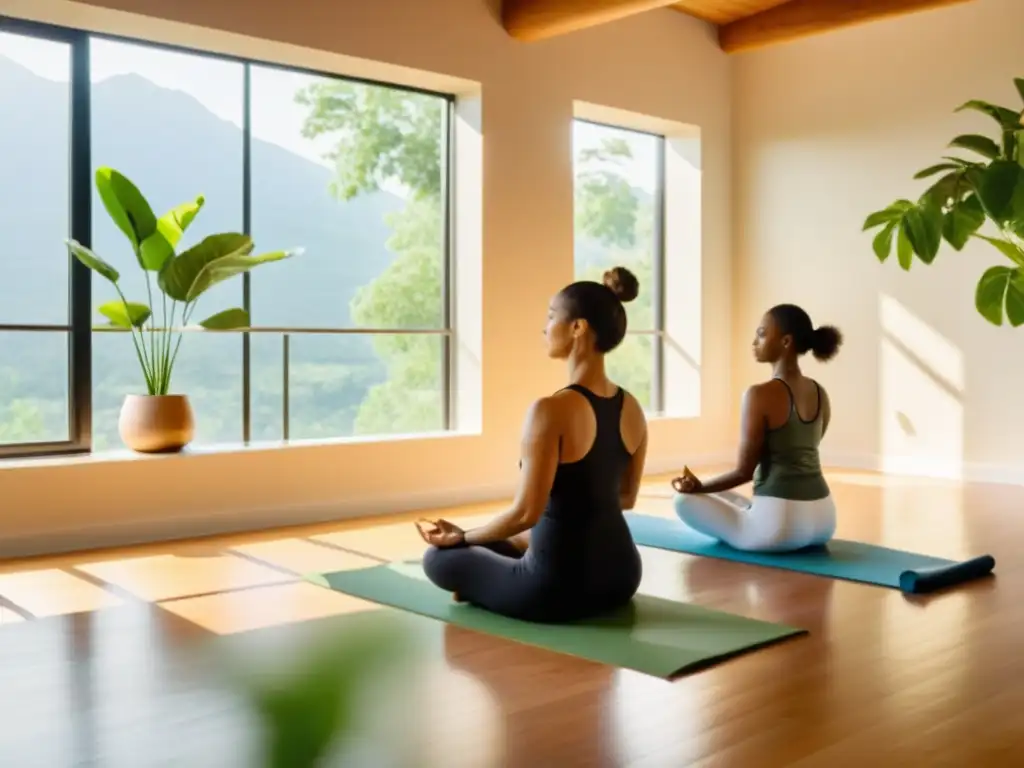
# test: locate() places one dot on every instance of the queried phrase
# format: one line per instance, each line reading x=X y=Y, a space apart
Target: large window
x=619 y=221
x=350 y=338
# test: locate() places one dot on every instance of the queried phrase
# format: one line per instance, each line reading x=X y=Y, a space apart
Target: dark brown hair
x=823 y=342
x=601 y=305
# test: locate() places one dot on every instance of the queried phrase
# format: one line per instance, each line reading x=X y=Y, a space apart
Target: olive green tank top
x=790 y=467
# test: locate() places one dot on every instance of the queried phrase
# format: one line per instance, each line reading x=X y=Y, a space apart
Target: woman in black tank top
x=580 y=560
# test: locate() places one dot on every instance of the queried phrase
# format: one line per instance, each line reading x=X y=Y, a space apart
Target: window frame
x=80 y=310
x=658 y=255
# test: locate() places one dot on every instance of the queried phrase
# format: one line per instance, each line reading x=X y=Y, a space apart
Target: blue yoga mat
x=850 y=560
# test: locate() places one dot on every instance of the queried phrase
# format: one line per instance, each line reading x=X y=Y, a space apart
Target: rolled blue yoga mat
x=839 y=559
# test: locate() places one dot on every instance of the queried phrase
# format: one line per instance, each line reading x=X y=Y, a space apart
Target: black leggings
x=497 y=578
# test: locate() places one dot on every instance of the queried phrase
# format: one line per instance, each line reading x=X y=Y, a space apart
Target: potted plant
x=987 y=186
x=160 y=421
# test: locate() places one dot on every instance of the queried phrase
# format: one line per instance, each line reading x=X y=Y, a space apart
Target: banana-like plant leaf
x=963 y=220
x=92 y=261
x=230 y=266
x=126 y=205
x=122 y=314
x=1008 y=119
x=174 y=223
x=154 y=252
x=156 y=249
x=180 y=274
x=882 y=243
x=228 y=320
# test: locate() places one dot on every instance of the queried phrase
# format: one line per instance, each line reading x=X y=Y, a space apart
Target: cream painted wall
x=828 y=130
x=662 y=64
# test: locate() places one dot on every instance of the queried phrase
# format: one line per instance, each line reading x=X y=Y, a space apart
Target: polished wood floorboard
x=105 y=658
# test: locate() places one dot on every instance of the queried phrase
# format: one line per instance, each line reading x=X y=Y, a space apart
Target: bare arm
x=635 y=471
x=541 y=436
x=751 y=442
x=826 y=410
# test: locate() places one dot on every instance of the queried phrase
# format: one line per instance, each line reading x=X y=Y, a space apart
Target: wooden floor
x=105 y=657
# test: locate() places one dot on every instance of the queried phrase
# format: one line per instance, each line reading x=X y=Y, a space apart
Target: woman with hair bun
x=583 y=452
x=782 y=423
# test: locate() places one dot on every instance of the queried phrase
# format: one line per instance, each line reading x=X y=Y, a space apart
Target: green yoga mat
x=654 y=636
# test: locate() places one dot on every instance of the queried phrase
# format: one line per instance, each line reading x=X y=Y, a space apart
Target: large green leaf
x=180 y=275
x=983 y=145
x=1007 y=118
x=999 y=287
x=962 y=221
x=1008 y=249
x=1019 y=82
x=227 y=320
x=952 y=186
x=230 y=266
x=1015 y=300
x=923 y=227
x=156 y=249
x=126 y=205
x=159 y=247
x=174 y=223
x=1001 y=190
x=931 y=170
x=882 y=243
x=892 y=213
x=904 y=250
x=130 y=314
x=154 y=252
x=1010 y=144
x=92 y=261
x=990 y=293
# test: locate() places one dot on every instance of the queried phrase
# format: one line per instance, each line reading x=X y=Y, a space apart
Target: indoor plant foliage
x=181 y=279
x=988 y=184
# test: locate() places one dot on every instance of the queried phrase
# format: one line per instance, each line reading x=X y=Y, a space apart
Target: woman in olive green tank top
x=782 y=423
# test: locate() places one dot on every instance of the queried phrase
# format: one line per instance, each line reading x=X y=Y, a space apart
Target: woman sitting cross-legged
x=782 y=423
x=583 y=455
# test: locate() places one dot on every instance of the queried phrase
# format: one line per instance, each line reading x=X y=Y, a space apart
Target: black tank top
x=581 y=551
x=588 y=490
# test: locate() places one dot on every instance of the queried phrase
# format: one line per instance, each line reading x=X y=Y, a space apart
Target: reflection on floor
x=104 y=652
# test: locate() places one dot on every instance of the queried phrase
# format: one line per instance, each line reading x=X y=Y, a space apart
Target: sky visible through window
x=276 y=119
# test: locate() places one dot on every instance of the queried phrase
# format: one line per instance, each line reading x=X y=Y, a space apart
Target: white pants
x=763 y=524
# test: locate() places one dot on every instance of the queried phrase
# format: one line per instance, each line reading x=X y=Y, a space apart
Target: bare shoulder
x=823 y=393
x=758 y=394
x=632 y=409
x=545 y=409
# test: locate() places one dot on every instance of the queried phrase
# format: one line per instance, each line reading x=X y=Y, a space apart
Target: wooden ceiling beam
x=802 y=18
x=530 y=20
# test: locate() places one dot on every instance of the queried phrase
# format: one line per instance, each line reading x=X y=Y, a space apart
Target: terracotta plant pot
x=156 y=423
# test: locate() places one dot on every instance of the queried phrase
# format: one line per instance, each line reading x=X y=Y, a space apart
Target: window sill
x=662 y=417
x=124 y=454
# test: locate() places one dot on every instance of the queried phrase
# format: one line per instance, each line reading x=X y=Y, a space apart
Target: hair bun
x=622 y=283
x=825 y=342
